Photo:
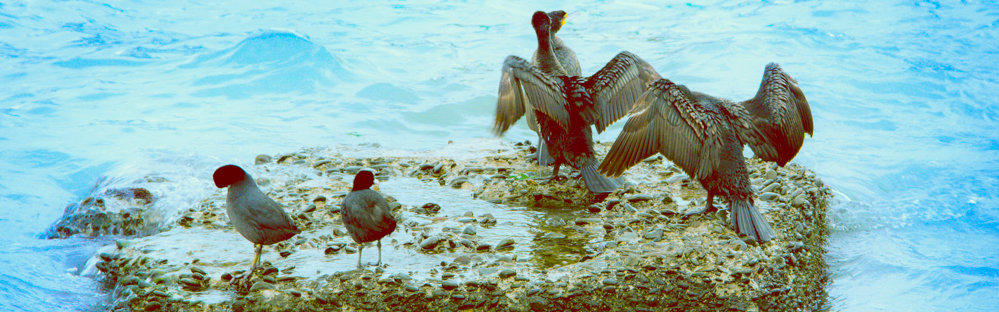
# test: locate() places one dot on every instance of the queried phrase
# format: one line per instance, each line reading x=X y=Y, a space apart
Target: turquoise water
x=903 y=95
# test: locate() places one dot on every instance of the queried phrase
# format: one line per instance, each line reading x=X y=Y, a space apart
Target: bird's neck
x=547 y=61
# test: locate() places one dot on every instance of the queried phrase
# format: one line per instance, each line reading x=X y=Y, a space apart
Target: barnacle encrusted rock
x=482 y=232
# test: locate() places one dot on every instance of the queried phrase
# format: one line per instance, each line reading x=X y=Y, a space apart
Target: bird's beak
x=375 y=186
x=564 y=18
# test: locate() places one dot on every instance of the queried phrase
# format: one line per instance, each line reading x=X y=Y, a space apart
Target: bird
x=564 y=106
x=366 y=214
x=260 y=219
x=567 y=58
x=563 y=53
x=704 y=136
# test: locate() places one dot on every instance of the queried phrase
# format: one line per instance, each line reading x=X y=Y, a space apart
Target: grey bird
x=565 y=106
x=704 y=136
x=366 y=214
x=257 y=217
x=567 y=58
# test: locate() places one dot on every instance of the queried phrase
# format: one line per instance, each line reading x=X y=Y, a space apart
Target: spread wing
x=616 y=86
x=781 y=113
x=524 y=87
x=667 y=119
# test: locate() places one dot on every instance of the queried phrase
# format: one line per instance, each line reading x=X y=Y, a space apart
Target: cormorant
x=704 y=136
x=567 y=58
x=565 y=106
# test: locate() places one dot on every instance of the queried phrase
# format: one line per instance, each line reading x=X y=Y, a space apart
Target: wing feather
x=618 y=85
x=524 y=87
x=781 y=113
x=667 y=119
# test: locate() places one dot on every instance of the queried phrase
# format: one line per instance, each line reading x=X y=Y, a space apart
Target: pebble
x=470 y=230
x=431 y=242
x=610 y=281
x=799 y=200
x=655 y=234
x=449 y=284
x=506 y=273
x=261 y=285
x=431 y=208
x=769 y=196
x=553 y=235
x=637 y=198
x=262 y=159
x=505 y=243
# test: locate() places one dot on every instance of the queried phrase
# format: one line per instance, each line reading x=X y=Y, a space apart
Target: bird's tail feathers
x=748 y=220
x=596 y=182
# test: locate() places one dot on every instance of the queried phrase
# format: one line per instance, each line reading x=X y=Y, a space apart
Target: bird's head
x=363 y=180
x=557 y=19
x=541 y=22
x=228 y=175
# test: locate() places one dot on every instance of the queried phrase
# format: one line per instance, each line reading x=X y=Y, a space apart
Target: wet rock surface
x=116 y=211
x=484 y=232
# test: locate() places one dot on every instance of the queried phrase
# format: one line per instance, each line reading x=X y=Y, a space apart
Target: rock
x=459 y=182
x=553 y=235
x=261 y=285
x=655 y=234
x=431 y=208
x=431 y=242
x=769 y=196
x=610 y=281
x=505 y=243
x=506 y=273
x=470 y=230
x=637 y=198
x=800 y=200
x=262 y=159
x=449 y=284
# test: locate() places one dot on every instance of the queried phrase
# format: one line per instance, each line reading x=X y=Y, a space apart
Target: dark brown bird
x=567 y=58
x=563 y=53
x=564 y=106
x=257 y=217
x=366 y=214
x=704 y=136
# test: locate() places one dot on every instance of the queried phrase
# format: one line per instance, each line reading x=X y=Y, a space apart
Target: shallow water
x=903 y=96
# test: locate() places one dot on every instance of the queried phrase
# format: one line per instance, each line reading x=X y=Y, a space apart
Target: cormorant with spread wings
x=565 y=106
x=704 y=136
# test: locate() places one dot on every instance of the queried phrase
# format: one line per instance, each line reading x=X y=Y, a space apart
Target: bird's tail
x=748 y=220
x=596 y=182
x=544 y=159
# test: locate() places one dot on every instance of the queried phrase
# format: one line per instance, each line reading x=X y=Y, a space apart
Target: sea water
x=903 y=95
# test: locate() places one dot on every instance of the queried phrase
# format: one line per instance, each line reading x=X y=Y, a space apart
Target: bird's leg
x=708 y=206
x=379 y=252
x=243 y=281
x=360 y=247
x=558 y=165
x=256 y=257
x=554 y=176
